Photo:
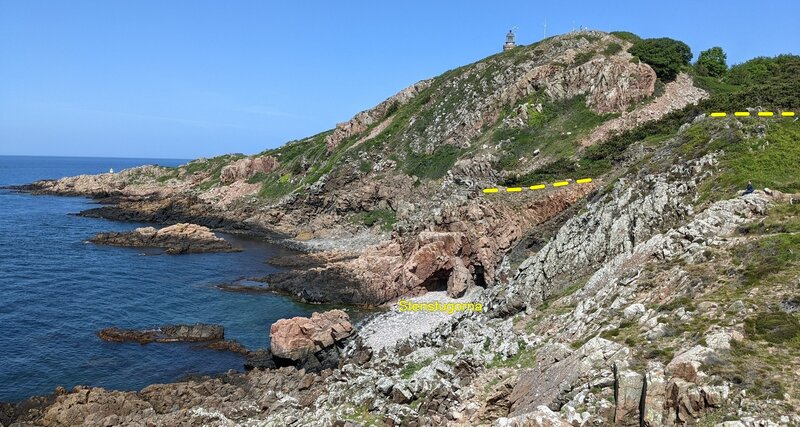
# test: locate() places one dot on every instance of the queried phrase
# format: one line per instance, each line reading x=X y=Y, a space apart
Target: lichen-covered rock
x=627 y=396
x=558 y=370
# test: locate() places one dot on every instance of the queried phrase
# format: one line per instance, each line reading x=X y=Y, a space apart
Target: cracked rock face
x=627 y=216
x=246 y=168
x=559 y=370
x=299 y=337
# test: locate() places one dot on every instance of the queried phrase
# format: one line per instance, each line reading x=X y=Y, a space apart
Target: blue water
x=57 y=291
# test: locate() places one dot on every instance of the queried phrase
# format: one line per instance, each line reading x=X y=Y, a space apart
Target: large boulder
x=246 y=168
x=298 y=338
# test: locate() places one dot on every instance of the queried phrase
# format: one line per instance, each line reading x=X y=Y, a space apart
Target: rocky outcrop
x=462 y=248
x=226 y=400
x=174 y=239
x=197 y=332
x=677 y=94
x=246 y=168
x=363 y=120
x=609 y=83
x=630 y=214
x=559 y=371
x=310 y=342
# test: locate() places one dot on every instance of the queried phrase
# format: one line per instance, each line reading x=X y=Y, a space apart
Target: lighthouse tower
x=509 y=44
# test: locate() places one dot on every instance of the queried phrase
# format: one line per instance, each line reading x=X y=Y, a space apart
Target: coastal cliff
x=652 y=294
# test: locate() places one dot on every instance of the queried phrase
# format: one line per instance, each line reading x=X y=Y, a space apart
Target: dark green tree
x=711 y=62
x=667 y=56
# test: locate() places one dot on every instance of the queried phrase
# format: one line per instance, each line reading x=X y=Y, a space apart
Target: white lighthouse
x=510 y=43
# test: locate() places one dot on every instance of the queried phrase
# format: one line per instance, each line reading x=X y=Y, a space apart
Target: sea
x=57 y=291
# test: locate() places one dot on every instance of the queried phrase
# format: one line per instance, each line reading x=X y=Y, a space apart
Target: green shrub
x=626 y=35
x=257 y=177
x=385 y=217
x=583 y=58
x=431 y=166
x=392 y=109
x=667 y=56
x=612 y=49
x=712 y=63
x=365 y=166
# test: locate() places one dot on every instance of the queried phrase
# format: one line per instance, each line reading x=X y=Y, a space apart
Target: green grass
x=548 y=132
x=751 y=366
x=411 y=368
x=775 y=327
x=431 y=166
x=525 y=358
x=363 y=416
x=781 y=218
x=770 y=162
x=213 y=164
x=172 y=173
x=365 y=166
x=385 y=217
x=766 y=256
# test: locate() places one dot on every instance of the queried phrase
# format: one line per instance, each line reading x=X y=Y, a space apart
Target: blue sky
x=182 y=79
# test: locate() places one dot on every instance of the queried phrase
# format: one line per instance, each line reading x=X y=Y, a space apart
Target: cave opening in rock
x=437 y=281
x=480 y=278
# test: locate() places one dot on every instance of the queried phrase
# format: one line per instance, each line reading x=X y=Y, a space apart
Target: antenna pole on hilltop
x=544 y=35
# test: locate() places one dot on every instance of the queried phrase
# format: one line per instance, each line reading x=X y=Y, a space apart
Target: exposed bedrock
x=247 y=168
x=626 y=216
x=174 y=239
x=197 y=332
x=461 y=247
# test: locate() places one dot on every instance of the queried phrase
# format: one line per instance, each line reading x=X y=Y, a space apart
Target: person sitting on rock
x=749 y=188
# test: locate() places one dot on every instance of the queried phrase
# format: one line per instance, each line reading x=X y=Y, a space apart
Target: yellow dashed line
x=747 y=114
x=534 y=187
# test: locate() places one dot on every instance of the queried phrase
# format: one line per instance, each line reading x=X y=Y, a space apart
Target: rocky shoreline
x=657 y=294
